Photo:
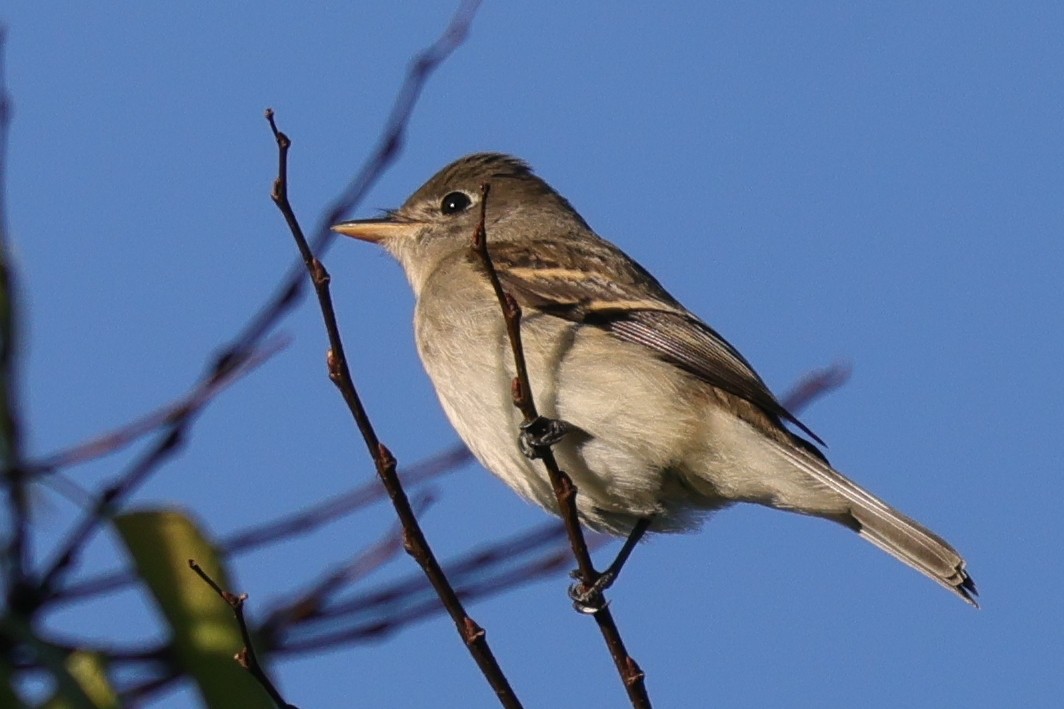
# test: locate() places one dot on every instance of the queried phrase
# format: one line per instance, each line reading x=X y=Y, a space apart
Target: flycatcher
x=666 y=421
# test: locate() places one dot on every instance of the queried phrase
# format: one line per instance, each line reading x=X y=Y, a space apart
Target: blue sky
x=878 y=184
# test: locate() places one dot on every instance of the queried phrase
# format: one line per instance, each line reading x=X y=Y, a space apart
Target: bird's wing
x=606 y=289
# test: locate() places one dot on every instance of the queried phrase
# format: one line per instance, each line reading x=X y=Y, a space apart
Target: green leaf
x=205 y=631
x=89 y=670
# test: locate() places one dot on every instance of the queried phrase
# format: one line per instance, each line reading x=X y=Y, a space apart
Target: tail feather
x=923 y=550
x=895 y=533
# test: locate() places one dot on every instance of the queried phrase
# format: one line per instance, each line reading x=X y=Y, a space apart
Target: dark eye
x=455 y=202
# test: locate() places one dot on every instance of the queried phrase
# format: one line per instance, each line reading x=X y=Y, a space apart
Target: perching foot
x=589 y=599
x=540 y=434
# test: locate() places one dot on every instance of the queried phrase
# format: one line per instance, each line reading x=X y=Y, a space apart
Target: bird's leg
x=541 y=433
x=588 y=599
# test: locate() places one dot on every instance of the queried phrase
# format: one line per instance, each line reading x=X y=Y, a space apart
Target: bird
x=661 y=421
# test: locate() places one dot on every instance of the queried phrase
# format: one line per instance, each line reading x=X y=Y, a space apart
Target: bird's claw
x=540 y=434
x=589 y=599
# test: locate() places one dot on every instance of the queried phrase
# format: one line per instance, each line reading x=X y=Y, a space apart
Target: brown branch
x=631 y=675
x=309 y=603
x=109 y=442
x=246 y=658
x=246 y=342
x=472 y=634
x=46 y=586
x=287 y=526
x=387 y=150
x=110 y=498
x=481 y=573
x=310 y=519
x=391 y=140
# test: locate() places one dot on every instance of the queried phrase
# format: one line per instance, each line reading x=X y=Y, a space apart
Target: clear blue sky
x=881 y=184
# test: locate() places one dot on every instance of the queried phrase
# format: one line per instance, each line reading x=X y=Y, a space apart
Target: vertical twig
x=414 y=539
x=631 y=674
x=15 y=554
x=247 y=657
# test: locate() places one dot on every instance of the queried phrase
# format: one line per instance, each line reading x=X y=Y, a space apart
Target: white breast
x=608 y=389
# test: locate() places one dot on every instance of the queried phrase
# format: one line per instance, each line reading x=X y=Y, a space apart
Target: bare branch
x=247 y=658
x=340 y=374
x=631 y=675
x=105 y=444
x=110 y=498
x=387 y=150
x=310 y=519
x=288 y=526
x=310 y=602
x=481 y=573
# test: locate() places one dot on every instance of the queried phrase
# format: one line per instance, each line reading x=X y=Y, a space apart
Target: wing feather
x=599 y=285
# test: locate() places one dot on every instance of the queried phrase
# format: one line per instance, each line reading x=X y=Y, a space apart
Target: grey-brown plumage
x=670 y=422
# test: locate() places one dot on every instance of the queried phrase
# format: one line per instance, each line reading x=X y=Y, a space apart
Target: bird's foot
x=589 y=599
x=540 y=434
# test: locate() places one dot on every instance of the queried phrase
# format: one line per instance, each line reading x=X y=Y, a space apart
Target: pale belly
x=622 y=473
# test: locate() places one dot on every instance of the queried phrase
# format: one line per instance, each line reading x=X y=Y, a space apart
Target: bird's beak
x=377 y=230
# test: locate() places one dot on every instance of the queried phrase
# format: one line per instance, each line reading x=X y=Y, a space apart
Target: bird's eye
x=455 y=202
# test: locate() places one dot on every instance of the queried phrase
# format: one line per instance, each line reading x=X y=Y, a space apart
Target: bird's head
x=441 y=216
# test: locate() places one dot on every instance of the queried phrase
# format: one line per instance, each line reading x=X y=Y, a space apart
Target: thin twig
x=481 y=573
x=247 y=658
x=46 y=586
x=310 y=519
x=366 y=617
x=472 y=634
x=285 y=297
x=110 y=498
x=631 y=675
x=110 y=442
x=288 y=526
x=310 y=602
x=384 y=154
x=15 y=556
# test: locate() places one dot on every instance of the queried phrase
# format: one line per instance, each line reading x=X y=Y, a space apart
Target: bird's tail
x=895 y=533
